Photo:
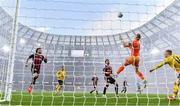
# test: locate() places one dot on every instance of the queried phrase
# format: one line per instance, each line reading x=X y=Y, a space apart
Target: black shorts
x=60 y=82
x=35 y=69
x=111 y=80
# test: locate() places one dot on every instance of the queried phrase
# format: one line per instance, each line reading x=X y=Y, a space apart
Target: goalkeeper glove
x=151 y=70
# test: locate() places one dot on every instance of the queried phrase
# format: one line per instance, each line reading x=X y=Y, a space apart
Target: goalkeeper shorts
x=134 y=60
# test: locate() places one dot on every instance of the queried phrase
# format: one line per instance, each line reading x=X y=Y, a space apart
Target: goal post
x=11 y=57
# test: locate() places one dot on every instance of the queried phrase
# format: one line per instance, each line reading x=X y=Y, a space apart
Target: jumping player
x=60 y=75
x=37 y=59
x=134 y=58
x=95 y=82
x=124 y=90
x=173 y=61
x=139 y=87
x=109 y=77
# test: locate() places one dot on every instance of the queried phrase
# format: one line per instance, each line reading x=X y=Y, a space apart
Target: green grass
x=48 y=98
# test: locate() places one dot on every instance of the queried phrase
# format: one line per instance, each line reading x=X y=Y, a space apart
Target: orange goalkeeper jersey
x=135 y=48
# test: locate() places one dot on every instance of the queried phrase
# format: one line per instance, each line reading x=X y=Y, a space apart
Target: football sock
x=140 y=75
x=104 y=92
x=120 y=69
x=116 y=90
x=175 y=89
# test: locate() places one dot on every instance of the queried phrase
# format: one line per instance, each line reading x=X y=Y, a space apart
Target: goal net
x=76 y=38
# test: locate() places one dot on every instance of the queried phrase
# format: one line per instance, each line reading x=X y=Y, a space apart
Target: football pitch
x=86 y=99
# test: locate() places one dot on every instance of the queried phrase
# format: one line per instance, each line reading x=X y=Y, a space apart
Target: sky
x=85 y=17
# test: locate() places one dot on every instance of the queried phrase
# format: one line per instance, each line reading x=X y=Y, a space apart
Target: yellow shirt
x=60 y=74
x=173 y=61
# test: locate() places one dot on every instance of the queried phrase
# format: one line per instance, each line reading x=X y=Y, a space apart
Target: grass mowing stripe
x=47 y=98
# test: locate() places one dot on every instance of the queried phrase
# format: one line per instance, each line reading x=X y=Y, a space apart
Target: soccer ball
x=120 y=15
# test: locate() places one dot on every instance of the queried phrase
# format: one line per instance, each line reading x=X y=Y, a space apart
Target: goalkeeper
x=174 y=62
x=60 y=75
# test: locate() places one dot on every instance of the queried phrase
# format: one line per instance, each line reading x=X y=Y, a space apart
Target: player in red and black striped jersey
x=109 y=77
x=37 y=59
x=124 y=90
x=95 y=83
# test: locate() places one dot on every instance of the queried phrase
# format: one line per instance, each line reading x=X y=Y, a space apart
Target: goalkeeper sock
x=140 y=75
x=120 y=69
x=175 y=89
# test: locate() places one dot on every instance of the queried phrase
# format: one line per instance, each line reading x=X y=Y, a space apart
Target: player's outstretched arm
x=158 y=66
x=31 y=56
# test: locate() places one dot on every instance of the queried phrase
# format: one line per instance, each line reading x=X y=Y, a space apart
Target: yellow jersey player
x=174 y=62
x=60 y=75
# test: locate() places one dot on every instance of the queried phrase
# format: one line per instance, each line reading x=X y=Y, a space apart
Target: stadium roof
x=165 y=24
